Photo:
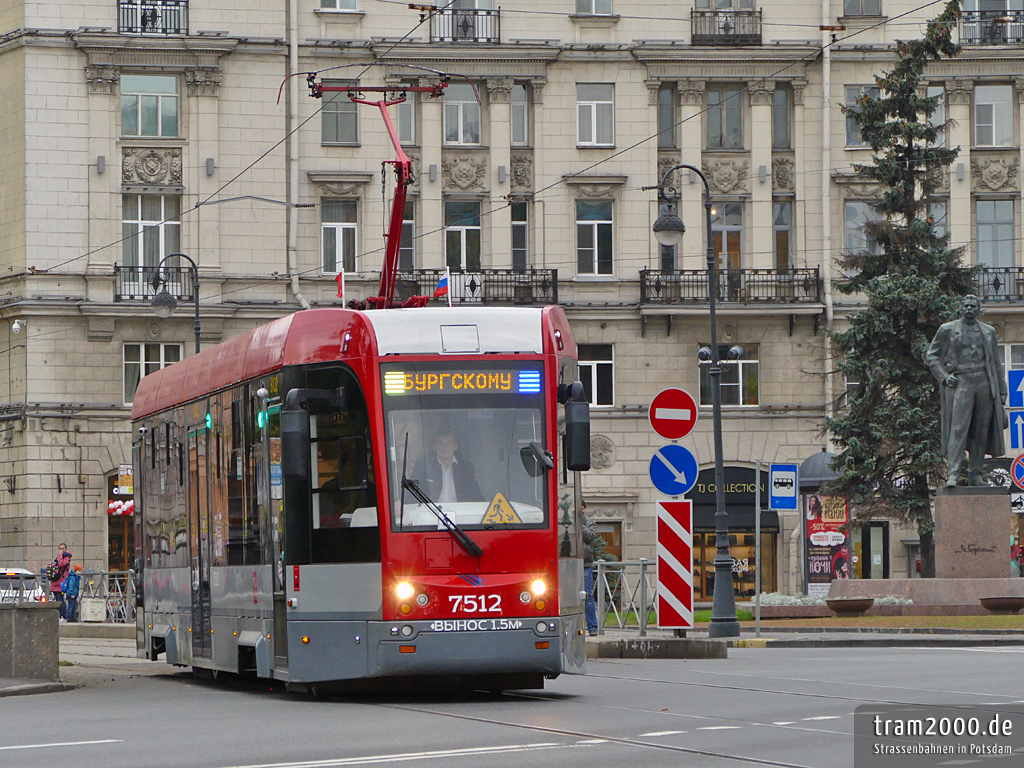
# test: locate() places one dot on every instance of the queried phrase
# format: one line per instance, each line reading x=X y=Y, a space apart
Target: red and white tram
x=299 y=514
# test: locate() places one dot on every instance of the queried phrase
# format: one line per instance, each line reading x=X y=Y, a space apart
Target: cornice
x=441 y=56
x=182 y=52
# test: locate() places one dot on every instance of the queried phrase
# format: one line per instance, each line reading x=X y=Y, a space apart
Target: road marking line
x=406 y=756
x=719 y=728
x=63 y=744
x=662 y=733
x=822 y=717
x=785 y=722
x=593 y=741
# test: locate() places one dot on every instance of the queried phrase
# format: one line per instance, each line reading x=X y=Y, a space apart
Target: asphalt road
x=777 y=707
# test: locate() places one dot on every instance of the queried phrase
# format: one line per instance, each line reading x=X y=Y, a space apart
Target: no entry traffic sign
x=673 y=414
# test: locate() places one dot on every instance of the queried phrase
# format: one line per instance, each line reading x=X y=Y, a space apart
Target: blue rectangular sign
x=1017 y=430
x=1016 y=388
x=782 y=486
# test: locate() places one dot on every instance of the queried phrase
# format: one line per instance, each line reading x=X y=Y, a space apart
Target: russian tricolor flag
x=442 y=286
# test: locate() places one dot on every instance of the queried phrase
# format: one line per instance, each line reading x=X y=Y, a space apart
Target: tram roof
x=316 y=335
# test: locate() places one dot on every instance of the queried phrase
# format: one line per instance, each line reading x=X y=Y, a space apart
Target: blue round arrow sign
x=673 y=470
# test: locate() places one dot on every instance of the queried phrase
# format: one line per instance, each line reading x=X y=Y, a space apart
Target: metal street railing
x=626 y=591
x=744 y=286
x=116 y=589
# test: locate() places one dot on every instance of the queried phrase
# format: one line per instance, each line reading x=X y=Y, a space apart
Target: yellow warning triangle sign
x=500 y=511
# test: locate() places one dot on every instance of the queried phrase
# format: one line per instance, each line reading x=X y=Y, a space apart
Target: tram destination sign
x=455 y=382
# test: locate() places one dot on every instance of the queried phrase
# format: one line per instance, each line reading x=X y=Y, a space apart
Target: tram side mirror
x=577 y=431
x=536 y=459
x=295 y=444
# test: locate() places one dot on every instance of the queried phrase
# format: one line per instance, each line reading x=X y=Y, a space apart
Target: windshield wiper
x=471 y=547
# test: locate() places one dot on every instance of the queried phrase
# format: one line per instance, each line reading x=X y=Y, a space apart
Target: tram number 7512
x=475 y=603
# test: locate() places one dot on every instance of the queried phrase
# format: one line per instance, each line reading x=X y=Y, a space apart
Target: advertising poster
x=827 y=545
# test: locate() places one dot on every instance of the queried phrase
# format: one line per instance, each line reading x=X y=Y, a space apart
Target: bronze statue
x=964 y=358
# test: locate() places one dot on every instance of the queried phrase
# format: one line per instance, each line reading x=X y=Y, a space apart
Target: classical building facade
x=133 y=129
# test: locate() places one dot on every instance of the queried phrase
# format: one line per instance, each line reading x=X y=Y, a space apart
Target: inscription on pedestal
x=972 y=533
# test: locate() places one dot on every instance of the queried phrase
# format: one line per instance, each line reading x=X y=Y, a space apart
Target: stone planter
x=849 y=606
x=1002 y=604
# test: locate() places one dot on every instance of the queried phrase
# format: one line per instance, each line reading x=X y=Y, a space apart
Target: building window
x=667 y=117
x=338 y=228
x=937 y=212
x=851 y=390
x=862 y=7
x=740 y=378
x=595 y=114
x=143 y=359
x=594 y=237
x=597 y=373
x=938 y=117
x=520 y=236
x=725 y=118
x=782 y=221
x=149 y=105
x=994 y=232
x=338 y=5
x=853 y=94
x=993 y=116
x=339 y=117
x=462 y=235
x=150 y=230
x=407 y=243
x=593 y=7
x=856 y=215
x=781 y=119
x=405 y=120
x=461 y=114
x=520 y=115
x=727 y=235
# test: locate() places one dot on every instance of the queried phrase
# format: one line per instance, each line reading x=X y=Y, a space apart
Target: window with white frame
x=405 y=120
x=597 y=372
x=1013 y=357
x=461 y=114
x=782 y=118
x=339 y=116
x=594 y=234
x=462 y=235
x=143 y=359
x=595 y=114
x=338 y=5
x=937 y=212
x=993 y=116
x=727 y=235
x=938 y=117
x=782 y=223
x=740 y=378
x=667 y=117
x=857 y=214
x=407 y=243
x=520 y=115
x=862 y=7
x=725 y=118
x=851 y=389
x=150 y=230
x=853 y=95
x=593 y=7
x=149 y=105
x=520 y=236
x=338 y=234
x=994 y=233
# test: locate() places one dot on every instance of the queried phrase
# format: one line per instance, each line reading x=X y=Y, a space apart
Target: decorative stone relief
x=597 y=190
x=339 y=188
x=339 y=183
x=782 y=173
x=102 y=79
x=202 y=82
x=463 y=171
x=994 y=173
x=142 y=165
x=1019 y=86
x=522 y=170
x=499 y=89
x=664 y=163
x=761 y=92
x=653 y=86
x=960 y=91
x=798 y=91
x=725 y=176
x=602 y=452
x=939 y=177
x=537 y=86
x=691 y=92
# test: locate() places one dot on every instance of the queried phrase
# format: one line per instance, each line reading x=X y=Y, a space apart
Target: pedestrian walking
x=71 y=589
x=589 y=536
x=56 y=572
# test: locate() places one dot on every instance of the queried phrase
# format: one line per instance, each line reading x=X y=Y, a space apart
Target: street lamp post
x=669 y=229
x=164 y=302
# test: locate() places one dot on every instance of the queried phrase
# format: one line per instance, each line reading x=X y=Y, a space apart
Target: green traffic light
x=259 y=420
x=209 y=421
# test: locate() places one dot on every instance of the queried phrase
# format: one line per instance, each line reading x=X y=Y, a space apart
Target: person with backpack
x=56 y=573
x=71 y=588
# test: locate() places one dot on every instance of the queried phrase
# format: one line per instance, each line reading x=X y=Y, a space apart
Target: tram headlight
x=538 y=587
x=404 y=590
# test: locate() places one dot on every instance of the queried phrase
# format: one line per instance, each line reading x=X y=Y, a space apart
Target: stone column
x=759 y=232
x=430 y=211
x=203 y=240
x=798 y=242
x=498 y=224
x=958 y=134
x=104 y=188
x=691 y=209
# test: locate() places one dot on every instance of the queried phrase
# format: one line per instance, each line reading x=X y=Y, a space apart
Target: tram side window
x=220 y=439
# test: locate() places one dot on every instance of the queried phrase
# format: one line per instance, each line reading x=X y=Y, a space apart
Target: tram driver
x=445 y=477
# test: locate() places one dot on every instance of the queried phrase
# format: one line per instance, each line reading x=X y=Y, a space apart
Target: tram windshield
x=471 y=436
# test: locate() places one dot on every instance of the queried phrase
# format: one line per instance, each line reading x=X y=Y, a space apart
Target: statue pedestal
x=972 y=533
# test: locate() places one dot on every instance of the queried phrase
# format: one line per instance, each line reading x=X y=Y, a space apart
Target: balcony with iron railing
x=726 y=28
x=740 y=286
x=465 y=25
x=992 y=28
x=1001 y=285
x=152 y=17
x=485 y=287
x=139 y=284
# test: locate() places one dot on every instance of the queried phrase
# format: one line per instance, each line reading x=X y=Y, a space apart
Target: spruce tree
x=891 y=452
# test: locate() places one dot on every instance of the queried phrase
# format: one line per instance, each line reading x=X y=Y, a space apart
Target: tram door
x=199 y=540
